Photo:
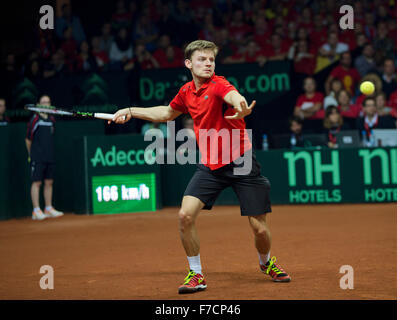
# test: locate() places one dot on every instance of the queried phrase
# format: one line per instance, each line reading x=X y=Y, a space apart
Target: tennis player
x=213 y=103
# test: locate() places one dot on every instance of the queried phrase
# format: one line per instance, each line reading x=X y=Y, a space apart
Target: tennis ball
x=367 y=88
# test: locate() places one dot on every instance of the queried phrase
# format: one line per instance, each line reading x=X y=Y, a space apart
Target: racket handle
x=104 y=116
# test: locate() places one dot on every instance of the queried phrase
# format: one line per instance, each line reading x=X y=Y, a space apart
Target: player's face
x=45 y=101
x=202 y=63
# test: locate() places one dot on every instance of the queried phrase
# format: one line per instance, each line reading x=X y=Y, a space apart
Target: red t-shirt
x=305 y=65
x=318 y=38
x=350 y=78
x=208 y=109
x=393 y=100
x=161 y=56
x=240 y=31
x=353 y=112
x=306 y=102
x=269 y=50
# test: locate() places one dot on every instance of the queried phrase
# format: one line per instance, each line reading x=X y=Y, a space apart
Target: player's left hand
x=242 y=110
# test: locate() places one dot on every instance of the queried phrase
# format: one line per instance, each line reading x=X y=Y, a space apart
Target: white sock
x=264 y=258
x=48 y=208
x=37 y=209
x=195 y=263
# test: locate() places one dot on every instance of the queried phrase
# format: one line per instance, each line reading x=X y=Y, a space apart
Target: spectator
x=144 y=58
x=296 y=130
x=121 y=18
x=304 y=61
x=382 y=107
x=46 y=43
x=332 y=48
x=277 y=50
x=336 y=86
x=208 y=29
x=183 y=16
x=318 y=35
x=392 y=27
x=372 y=120
x=172 y=60
x=69 y=48
x=56 y=66
x=261 y=33
x=121 y=50
x=252 y=53
x=40 y=145
x=68 y=20
x=174 y=53
x=365 y=63
x=3 y=119
x=101 y=57
x=238 y=29
x=106 y=39
x=369 y=26
x=350 y=112
x=10 y=75
x=361 y=41
x=309 y=105
x=333 y=123
x=389 y=83
x=166 y=23
x=382 y=14
x=33 y=72
x=383 y=45
x=393 y=100
x=145 y=32
x=226 y=48
x=345 y=73
x=305 y=19
x=85 y=61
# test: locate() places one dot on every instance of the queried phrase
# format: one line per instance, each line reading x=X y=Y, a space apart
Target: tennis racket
x=70 y=113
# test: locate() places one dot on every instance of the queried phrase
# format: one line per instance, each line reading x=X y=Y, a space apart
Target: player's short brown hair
x=200 y=45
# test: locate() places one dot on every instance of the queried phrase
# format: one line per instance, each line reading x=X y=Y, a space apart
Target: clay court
x=139 y=256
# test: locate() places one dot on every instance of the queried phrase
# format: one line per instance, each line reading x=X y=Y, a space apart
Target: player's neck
x=198 y=81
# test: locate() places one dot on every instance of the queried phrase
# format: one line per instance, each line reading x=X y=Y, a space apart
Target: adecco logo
x=114 y=158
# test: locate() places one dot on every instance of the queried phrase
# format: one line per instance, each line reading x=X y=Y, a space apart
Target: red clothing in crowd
x=353 y=111
x=239 y=32
x=349 y=77
x=161 y=58
x=305 y=65
x=306 y=102
x=269 y=50
x=318 y=38
x=393 y=100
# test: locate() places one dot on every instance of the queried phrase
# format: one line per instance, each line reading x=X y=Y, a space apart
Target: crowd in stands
x=151 y=34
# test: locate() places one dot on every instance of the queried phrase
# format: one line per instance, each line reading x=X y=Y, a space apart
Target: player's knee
x=36 y=184
x=48 y=182
x=185 y=219
x=261 y=231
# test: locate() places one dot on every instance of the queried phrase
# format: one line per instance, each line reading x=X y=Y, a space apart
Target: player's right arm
x=28 y=145
x=153 y=114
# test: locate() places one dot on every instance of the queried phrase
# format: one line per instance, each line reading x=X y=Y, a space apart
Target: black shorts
x=252 y=190
x=40 y=171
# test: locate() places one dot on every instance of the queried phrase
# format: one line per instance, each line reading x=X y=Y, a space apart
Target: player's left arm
x=239 y=104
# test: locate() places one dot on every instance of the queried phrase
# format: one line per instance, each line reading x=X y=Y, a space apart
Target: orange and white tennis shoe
x=193 y=282
x=52 y=213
